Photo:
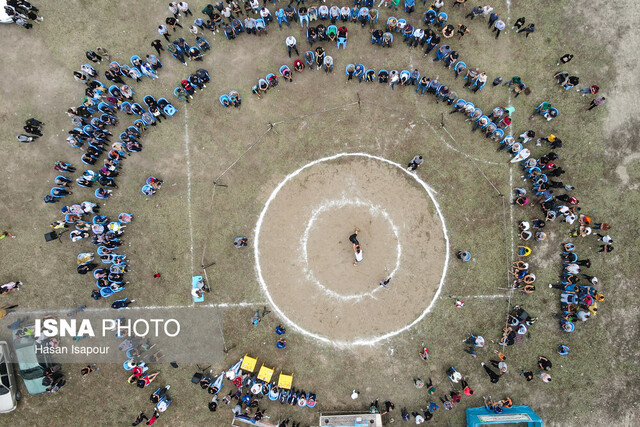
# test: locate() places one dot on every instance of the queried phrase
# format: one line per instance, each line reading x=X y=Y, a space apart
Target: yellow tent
x=248 y=363
x=285 y=381
x=265 y=373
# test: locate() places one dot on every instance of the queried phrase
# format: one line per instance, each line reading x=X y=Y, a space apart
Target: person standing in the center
x=357 y=250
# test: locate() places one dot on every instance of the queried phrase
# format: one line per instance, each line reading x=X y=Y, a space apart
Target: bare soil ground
x=307 y=258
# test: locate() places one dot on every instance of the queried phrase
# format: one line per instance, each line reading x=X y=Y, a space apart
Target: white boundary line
x=511 y=164
x=361 y=341
x=187 y=157
x=374 y=210
x=487 y=162
x=511 y=215
x=451 y=147
x=511 y=194
x=495 y=296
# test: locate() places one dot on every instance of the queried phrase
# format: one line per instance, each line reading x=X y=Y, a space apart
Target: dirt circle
x=304 y=258
x=325 y=248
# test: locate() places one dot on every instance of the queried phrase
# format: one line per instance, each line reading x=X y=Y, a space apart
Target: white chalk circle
x=350 y=298
x=339 y=203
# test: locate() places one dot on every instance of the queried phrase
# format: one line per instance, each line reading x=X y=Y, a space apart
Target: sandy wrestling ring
x=304 y=259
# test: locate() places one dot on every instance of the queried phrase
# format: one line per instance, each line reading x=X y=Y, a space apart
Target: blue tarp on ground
x=515 y=415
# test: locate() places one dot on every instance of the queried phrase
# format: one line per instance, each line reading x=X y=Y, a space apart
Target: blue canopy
x=514 y=415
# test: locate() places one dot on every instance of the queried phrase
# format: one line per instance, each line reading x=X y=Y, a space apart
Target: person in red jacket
x=155 y=417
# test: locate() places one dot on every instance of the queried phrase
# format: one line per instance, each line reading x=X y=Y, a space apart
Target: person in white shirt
x=358 y=254
x=250 y=25
x=291 y=44
x=334 y=13
x=357 y=249
x=183 y=7
x=328 y=64
x=345 y=13
x=8 y=287
x=583 y=315
x=226 y=12
x=416 y=37
x=162 y=30
x=266 y=15
x=573 y=269
x=199 y=290
x=173 y=8
x=606 y=239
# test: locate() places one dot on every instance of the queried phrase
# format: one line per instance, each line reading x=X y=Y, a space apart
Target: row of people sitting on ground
x=138 y=69
x=20 y=12
x=438 y=20
x=285 y=15
x=216 y=22
x=415 y=36
x=105 y=177
x=429 y=39
x=312 y=60
x=305 y=15
x=494 y=124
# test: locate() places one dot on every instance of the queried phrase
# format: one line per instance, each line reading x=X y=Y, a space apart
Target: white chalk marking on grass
x=142 y=308
x=359 y=341
x=496 y=296
x=488 y=162
x=511 y=215
x=187 y=155
x=511 y=195
x=340 y=203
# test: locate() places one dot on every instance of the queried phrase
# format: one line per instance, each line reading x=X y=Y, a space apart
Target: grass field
x=597 y=384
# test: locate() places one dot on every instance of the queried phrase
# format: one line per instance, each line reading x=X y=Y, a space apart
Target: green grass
x=588 y=385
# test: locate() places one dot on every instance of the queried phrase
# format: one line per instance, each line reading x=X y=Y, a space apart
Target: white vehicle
x=32 y=365
x=9 y=394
